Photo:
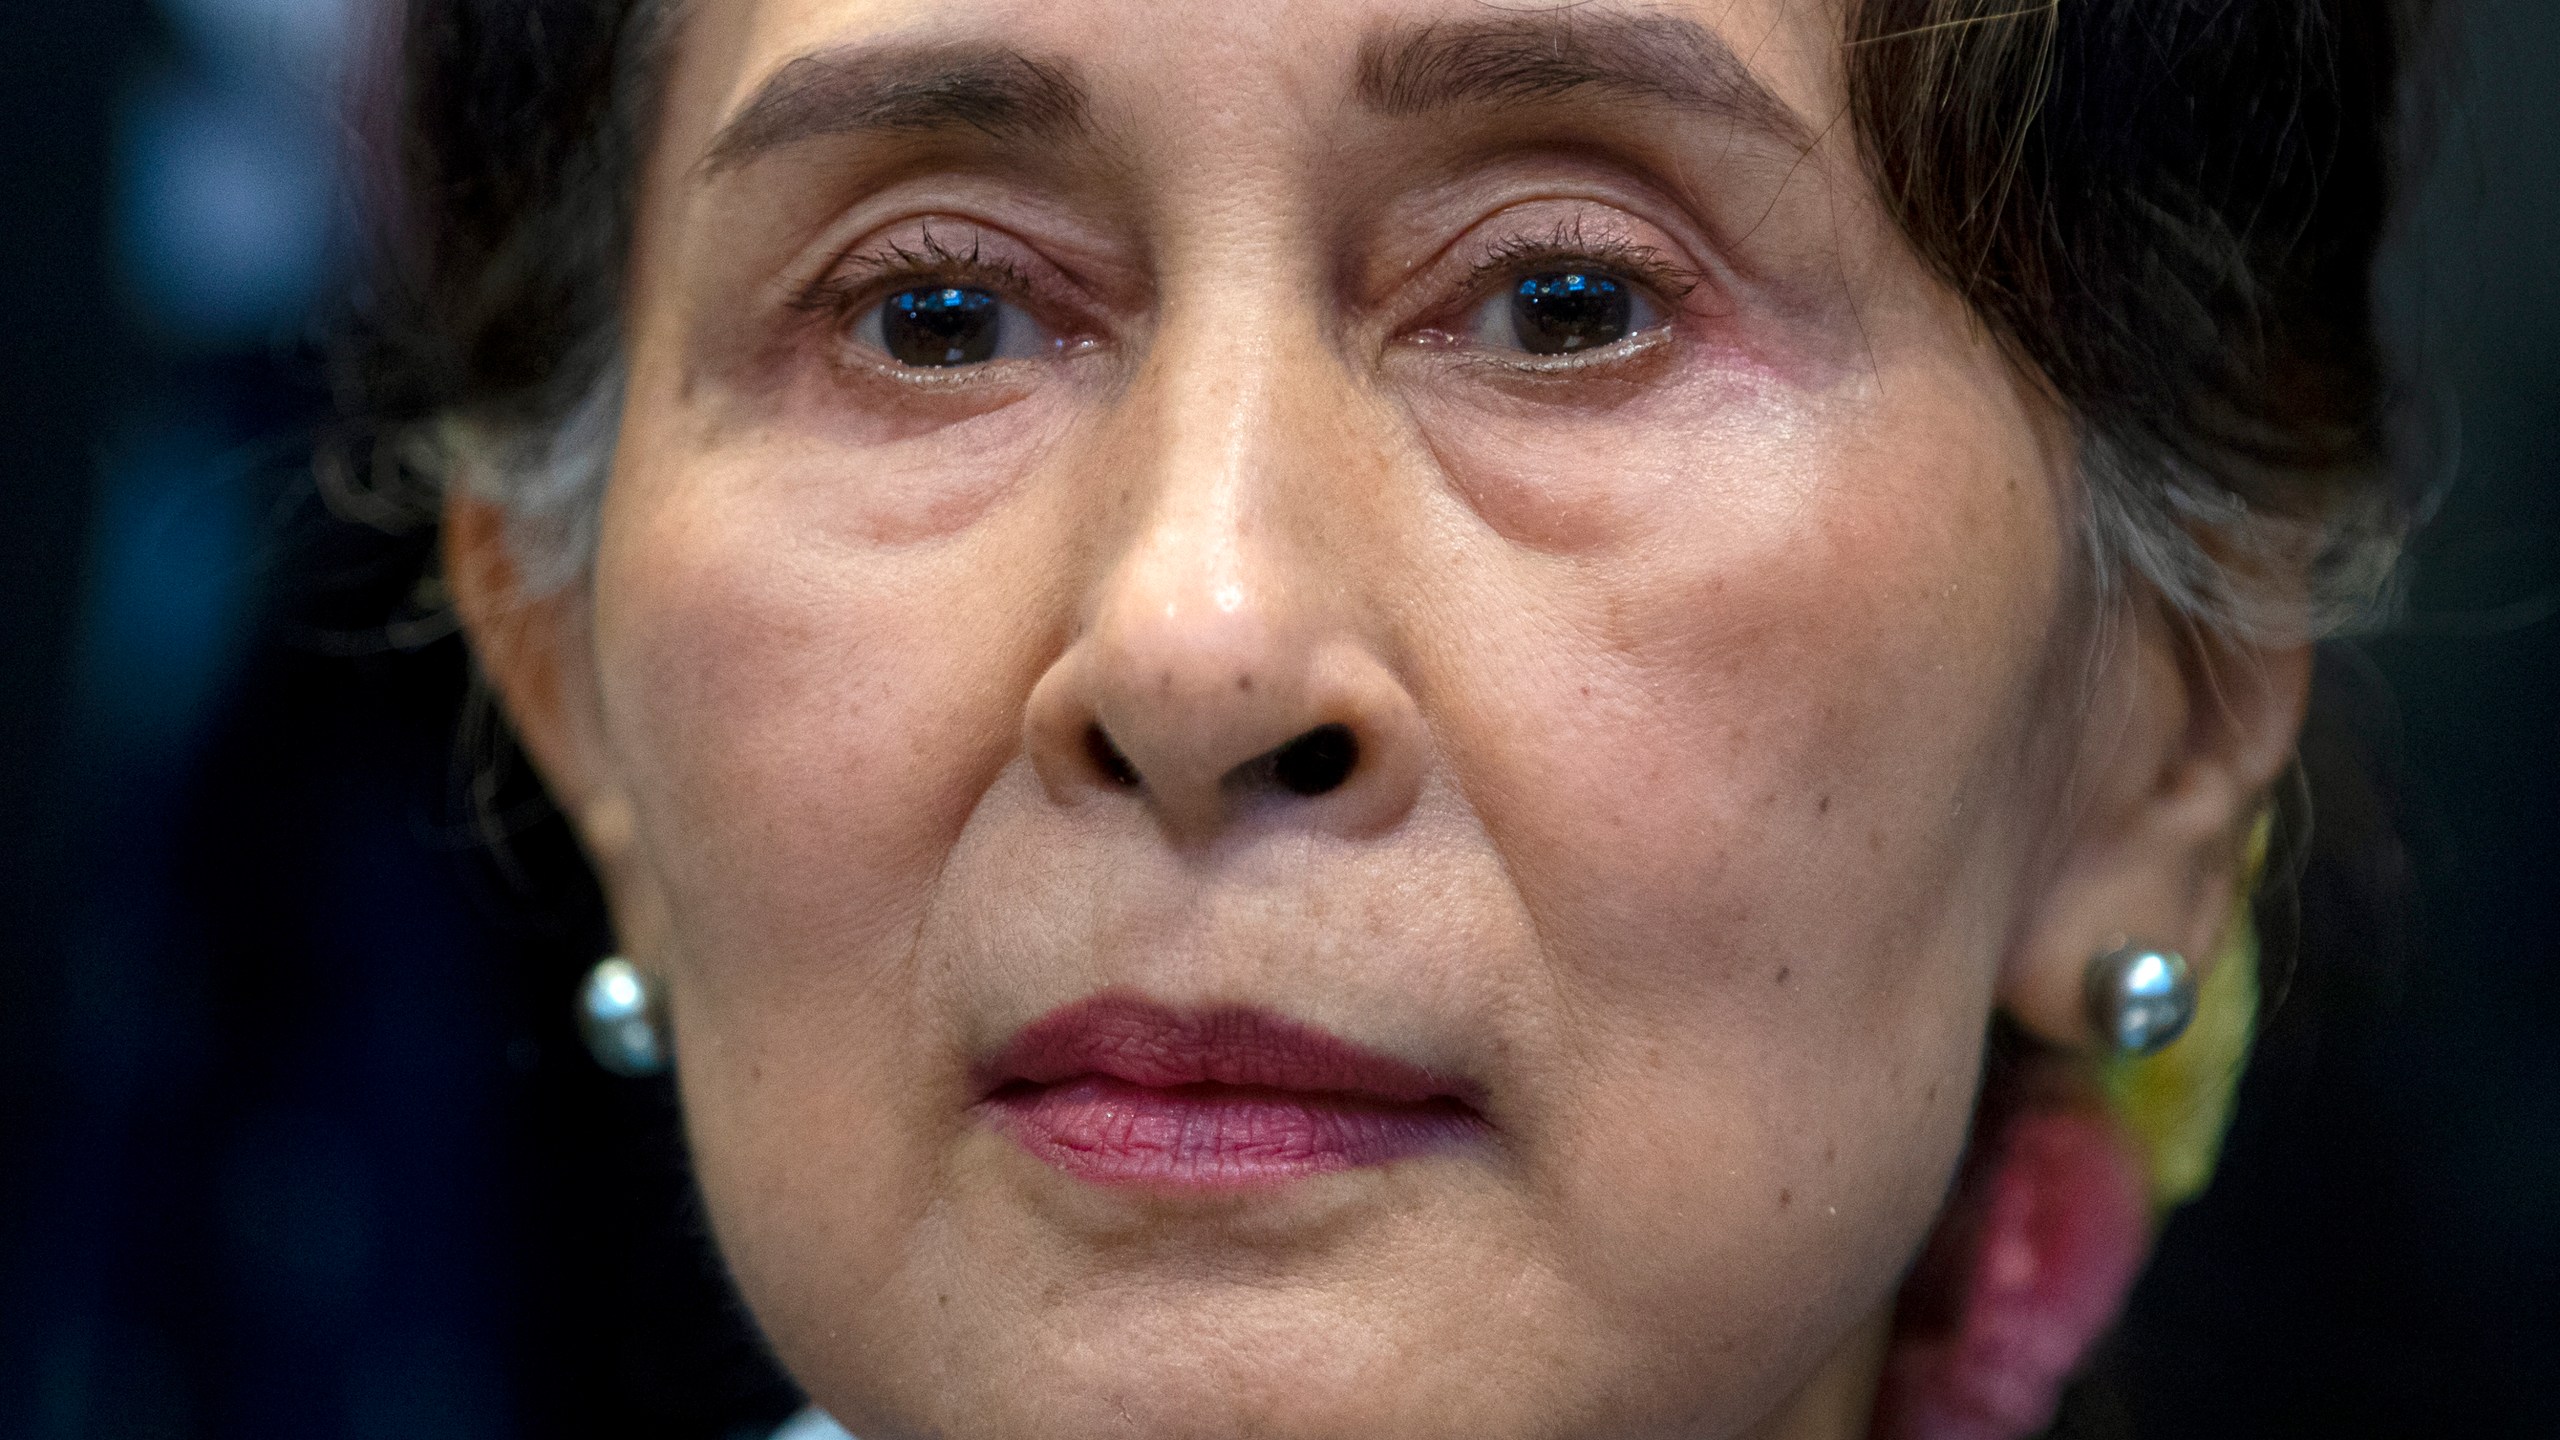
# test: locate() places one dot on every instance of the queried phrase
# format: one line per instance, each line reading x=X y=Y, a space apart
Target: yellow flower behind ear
x=2178 y=1102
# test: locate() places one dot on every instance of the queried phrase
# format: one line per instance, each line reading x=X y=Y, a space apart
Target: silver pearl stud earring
x=2141 y=998
x=618 y=1015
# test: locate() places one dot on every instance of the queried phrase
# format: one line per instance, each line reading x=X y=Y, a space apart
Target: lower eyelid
x=1638 y=349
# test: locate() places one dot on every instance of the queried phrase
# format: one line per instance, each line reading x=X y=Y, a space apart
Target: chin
x=1347 y=1311
x=1214 y=1362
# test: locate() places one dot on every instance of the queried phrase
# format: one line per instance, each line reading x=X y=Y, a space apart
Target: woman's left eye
x=1562 y=312
x=944 y=327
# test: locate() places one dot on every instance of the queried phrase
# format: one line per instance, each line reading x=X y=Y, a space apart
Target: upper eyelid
x=1644 y=265
x=1601 y=233
x=928 y=247
x=886 y=262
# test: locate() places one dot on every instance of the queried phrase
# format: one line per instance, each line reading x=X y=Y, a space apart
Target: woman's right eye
x=944 y=327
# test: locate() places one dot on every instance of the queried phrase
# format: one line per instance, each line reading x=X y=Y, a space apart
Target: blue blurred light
x=293 y=41
x=227 y=212
x=167 y=584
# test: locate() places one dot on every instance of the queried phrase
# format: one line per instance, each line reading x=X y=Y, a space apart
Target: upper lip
x=1142 y=1042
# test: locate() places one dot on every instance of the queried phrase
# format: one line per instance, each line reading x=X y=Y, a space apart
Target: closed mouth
x=1121 y=1090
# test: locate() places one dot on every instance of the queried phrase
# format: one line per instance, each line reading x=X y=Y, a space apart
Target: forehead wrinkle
x=903 y=89
x=1407 y=70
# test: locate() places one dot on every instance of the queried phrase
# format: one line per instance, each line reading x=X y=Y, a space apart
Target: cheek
x=1756 y=767
x=807 y=684
x=804 y=720
x=1789 y=662
x=765 y=741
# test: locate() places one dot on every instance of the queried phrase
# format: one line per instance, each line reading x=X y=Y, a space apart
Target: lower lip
x=1216 y=1137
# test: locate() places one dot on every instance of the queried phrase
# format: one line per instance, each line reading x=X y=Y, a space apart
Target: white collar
x=811 y=1424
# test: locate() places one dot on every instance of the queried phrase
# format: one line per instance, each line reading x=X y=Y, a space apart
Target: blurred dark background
x=296 y=1139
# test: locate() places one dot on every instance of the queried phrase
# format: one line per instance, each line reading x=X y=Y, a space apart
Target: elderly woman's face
x=1327 y=713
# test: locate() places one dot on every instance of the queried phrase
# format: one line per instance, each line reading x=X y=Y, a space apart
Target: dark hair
x=501 y=162
x=2169 y=210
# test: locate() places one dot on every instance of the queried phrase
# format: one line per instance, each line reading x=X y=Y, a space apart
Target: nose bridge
x=1207 y=479
x=1233 y=403
x=1208 y=569
x=1220 y=638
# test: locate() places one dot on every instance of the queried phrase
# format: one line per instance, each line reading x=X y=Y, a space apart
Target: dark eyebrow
x=1413 y=69
x=901 y=89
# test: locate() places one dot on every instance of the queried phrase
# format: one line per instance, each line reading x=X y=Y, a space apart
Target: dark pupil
x=1560 y=313
x=946 y=325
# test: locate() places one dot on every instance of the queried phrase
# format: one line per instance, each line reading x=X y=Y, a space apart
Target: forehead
x=1270 y=62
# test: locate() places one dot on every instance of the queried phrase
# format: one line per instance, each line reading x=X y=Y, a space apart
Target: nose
x=1208 y=718
x=1229 y=670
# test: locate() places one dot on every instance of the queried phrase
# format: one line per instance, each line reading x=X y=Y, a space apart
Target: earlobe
x=536 y=654
x=2177 y=747
x=530 y=649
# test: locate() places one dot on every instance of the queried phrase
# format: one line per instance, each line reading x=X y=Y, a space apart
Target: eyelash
x=858 y=280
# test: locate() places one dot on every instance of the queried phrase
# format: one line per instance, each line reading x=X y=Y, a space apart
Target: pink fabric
x=2055 y=1233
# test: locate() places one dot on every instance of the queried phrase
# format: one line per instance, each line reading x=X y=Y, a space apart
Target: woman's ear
x=534 y=652
x=2181 y=738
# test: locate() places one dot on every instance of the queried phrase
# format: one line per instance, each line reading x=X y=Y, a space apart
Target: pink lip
x=1123 y=1091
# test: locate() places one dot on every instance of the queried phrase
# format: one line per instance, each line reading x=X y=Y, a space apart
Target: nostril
x=1318 y=761
x=1108 y=759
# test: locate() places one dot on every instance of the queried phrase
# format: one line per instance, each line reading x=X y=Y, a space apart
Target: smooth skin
x=1736 y=728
